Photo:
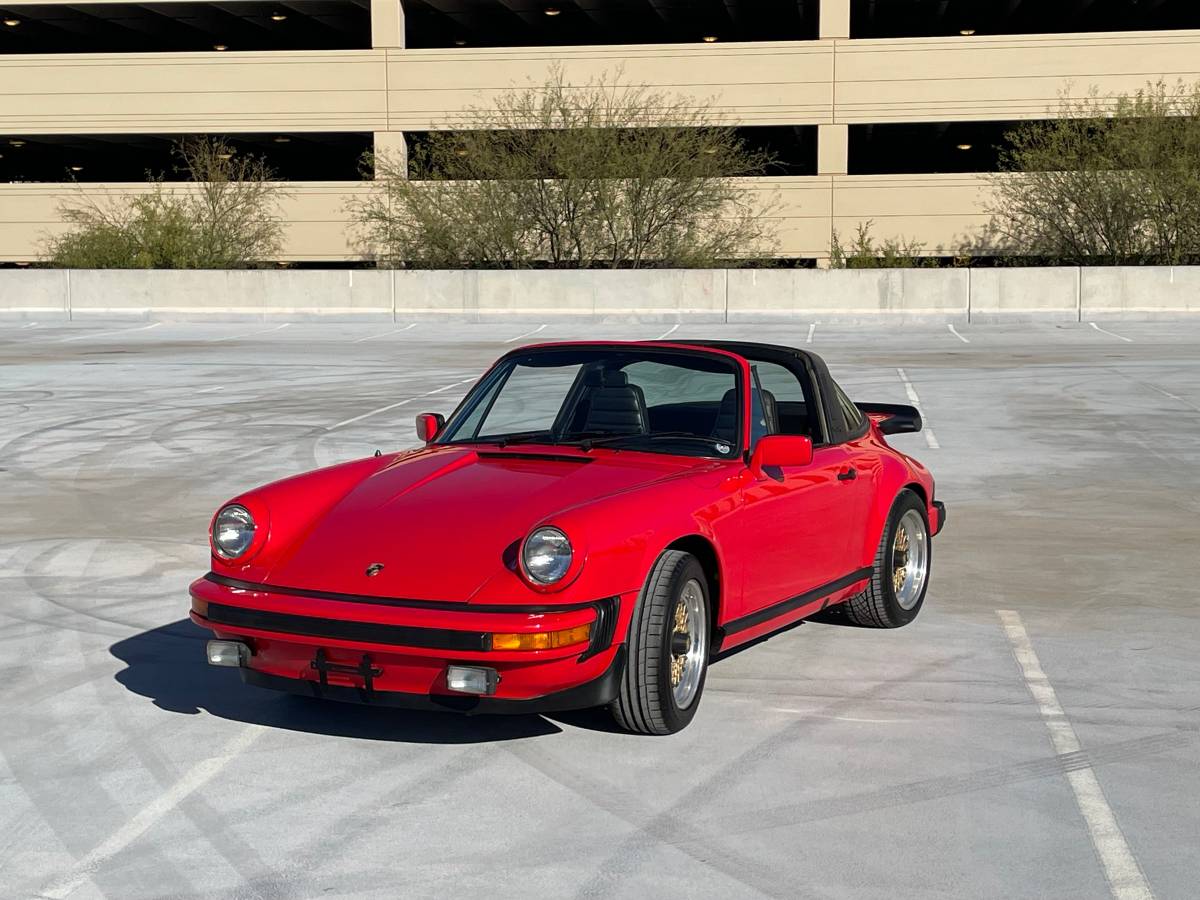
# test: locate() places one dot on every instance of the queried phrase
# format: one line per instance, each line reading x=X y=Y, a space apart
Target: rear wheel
x=900 y=575
x=667 y=648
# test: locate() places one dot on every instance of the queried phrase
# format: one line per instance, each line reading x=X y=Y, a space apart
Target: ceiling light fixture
x=710 y=39
x=16 y=143
x=228 y=155
x=278 y=17
x=282 y=139
x=76 y=168
x=965 y=146
x=220 y=47
x=12 y=23
x=552 y=10
x=966 y=32
x=460 y=43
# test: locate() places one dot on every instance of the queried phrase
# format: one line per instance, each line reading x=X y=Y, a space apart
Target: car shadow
x=168 y=665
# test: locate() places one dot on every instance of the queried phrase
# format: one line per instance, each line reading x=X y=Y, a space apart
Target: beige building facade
x=832 y=84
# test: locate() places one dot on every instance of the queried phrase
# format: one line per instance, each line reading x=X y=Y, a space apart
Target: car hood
x=442 y=522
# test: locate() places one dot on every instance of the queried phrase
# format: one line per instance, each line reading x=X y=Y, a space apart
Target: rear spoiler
x=893 y=418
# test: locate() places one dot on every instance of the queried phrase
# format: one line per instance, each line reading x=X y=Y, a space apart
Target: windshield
x=629 y=398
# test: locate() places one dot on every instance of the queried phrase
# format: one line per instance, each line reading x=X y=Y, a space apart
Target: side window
x=852 y=414
x=759 y=425
x=781 y=382
x=791 y=413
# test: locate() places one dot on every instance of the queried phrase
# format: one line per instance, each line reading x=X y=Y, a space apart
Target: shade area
x=923 y=147
x=95 y=158
x=183 y=27
x=931 y=18
x=550 y=23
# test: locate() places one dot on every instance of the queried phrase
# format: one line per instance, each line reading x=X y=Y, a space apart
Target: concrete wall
x=983 y=77
x=947 y=295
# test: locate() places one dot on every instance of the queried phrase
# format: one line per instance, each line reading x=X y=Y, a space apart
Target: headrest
x=606 y=378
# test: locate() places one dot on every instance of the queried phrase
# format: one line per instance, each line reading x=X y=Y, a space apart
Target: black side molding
x=785 y=606
x=901 y=419
x=941 y=511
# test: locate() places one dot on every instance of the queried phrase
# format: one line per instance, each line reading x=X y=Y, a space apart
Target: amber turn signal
x=543 y=640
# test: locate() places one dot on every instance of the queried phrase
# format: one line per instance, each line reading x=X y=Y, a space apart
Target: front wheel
x=667 y=648
x=900 y=575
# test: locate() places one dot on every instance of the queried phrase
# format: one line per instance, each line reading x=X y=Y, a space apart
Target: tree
x=225 y=216
x=602 y=174
x=1105 y=183
x=864 y=253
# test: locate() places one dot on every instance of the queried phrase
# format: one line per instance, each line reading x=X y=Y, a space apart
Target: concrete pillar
x=391 y=146
x=835 y=19
x=833 y=149
x=387 y=24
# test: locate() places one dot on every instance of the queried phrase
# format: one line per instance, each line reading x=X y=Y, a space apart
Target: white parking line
x=954 y=331
x=669 y=333
x=372 y=337
x=234 y=337
x=930 y=438
x=1176 y=397
x=390 y=406
x=195 y=777
x=95 y=334
x=811 y=330
x=30 y=325
x=209 y=390
x=1119 y=337
x=526 y=334
x=1126 y=880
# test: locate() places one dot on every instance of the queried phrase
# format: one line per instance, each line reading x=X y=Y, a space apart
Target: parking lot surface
x=827 y=762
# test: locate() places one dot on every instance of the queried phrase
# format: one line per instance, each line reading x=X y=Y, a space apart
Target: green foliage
x=571 y=176
x=223 y=217
x=1107 y=182
x=864 y=253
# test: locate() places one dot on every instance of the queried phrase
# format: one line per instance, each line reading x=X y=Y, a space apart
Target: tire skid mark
x=626 y=859
x=210 y=826
x=707 y=849
x=806 y=812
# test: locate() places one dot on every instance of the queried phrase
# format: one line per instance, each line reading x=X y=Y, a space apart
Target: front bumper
x=410 y=648
x=599 y=691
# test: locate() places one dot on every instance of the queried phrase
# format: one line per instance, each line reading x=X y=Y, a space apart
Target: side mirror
x=428 y=426
x=775 y=450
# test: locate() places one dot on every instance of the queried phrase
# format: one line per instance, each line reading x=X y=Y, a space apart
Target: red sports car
x=591 y=525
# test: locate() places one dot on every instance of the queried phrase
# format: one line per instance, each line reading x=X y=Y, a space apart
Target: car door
x=800 y=521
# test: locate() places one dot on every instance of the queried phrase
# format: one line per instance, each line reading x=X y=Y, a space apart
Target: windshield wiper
x=520 y=437
x=716 y=443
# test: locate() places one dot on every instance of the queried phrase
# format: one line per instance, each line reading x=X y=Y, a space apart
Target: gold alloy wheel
x=681 y=628
x=910 y=559
x=899 y=559
x=688 y=644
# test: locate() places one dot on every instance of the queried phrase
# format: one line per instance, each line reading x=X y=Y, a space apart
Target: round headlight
x=546 y=555
x=233 y=531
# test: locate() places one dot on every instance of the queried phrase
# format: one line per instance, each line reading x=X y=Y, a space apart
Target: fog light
x=228 y=653
x=472 y=679
x=543 y=640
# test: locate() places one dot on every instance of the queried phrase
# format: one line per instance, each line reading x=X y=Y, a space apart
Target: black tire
x=646 y=701
x=878 y=606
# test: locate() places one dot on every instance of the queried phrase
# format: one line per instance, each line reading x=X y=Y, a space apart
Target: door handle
x=848 y=474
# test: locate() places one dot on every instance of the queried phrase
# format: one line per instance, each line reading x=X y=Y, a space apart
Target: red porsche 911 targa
x=592 y=524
